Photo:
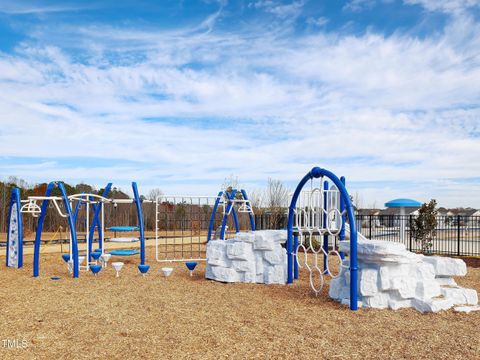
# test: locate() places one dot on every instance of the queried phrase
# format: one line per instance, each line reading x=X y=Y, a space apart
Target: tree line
x=272 y=201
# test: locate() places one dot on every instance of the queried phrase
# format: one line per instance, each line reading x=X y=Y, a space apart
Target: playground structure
x=69 y=208
x=318 y=210
x=184 y=224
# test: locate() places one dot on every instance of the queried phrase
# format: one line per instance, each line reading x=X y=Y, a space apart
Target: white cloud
x=448 y=6
x=319 y=22
x=278 y=8
x=374 y=108
x=32 y=7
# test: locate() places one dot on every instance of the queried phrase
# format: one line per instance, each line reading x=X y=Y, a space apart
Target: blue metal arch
x=77 y=210
x=71 y=223
x=212 y=216
x=230 y=208
x=138 y=204
x=317 y=172
x=96 y=222
x=15 y=199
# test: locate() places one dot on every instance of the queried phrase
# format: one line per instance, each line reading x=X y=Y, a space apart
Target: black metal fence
x=455 y=235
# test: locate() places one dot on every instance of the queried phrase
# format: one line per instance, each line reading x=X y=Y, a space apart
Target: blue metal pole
x=341 y=235
x=77 y=209
x=234 y=214
x=73 y=230
x=212 y=217
x=353 y=238
x=291 y=214
x=96 y=222
x=325 y=219
x=252 y=219
x=227 y=211
x=140 y=222
x=38 y=234
x=295 y=262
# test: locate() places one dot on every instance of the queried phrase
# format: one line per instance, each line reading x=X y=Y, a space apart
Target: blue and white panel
x=15 y=234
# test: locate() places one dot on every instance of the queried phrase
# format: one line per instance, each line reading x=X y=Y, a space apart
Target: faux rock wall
x=250 y=257
x=392 y=277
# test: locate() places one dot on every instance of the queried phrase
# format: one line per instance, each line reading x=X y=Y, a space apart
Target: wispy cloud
x=278 y=8
x=448 y=6
x=183 y=108
x=36 y=8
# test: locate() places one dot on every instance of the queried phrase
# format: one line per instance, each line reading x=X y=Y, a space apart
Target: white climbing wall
x=250 y=257
x=392 y=277
x=14 y=241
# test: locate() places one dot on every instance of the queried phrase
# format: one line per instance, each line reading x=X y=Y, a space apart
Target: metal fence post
x=370 y=222
x=410 y=231
x=458 y=235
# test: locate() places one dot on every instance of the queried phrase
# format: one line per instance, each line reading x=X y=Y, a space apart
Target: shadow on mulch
x=472 y=262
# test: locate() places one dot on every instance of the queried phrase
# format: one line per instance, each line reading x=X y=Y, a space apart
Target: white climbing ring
x=340 y=261
x=312 y=285
x=337 y=216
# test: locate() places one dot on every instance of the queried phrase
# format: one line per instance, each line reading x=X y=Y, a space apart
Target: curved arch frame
x=212 y=217
x=292 y=271
x=229 y=209
x=138 y=204
x=96 y=222
x=71 y=223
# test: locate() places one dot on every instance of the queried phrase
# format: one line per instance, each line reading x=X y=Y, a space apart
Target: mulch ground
x=180 y=317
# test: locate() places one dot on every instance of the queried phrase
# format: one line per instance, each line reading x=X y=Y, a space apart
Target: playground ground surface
x=179 y=317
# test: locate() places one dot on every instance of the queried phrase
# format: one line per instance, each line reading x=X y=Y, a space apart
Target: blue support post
x=73 y=232
x=295 y=262
x=138 y=204
x=77 y=210
x=38 y=234
x=96 y=222
x=291 y=214
x=227 y=211
x=325 y=219
x=212 y=217
x=341 y=235
x=71 y=223
x=234 y=213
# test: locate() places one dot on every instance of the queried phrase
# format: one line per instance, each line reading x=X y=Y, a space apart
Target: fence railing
x=455 y=235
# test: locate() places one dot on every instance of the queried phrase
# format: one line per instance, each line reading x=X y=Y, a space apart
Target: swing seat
x=124 y=252
x=123 y=240
x=124 y=228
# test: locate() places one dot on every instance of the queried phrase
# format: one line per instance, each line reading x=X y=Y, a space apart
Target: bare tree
x=154 y=193
x=357 y=200
x=276 y=195
x=230 y=183
x=256 y=197
x=276 y=201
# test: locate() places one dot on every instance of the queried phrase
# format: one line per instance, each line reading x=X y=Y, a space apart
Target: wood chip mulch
x=183 y=317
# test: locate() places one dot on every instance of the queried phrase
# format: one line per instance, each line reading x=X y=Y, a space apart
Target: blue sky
x=181 y=94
